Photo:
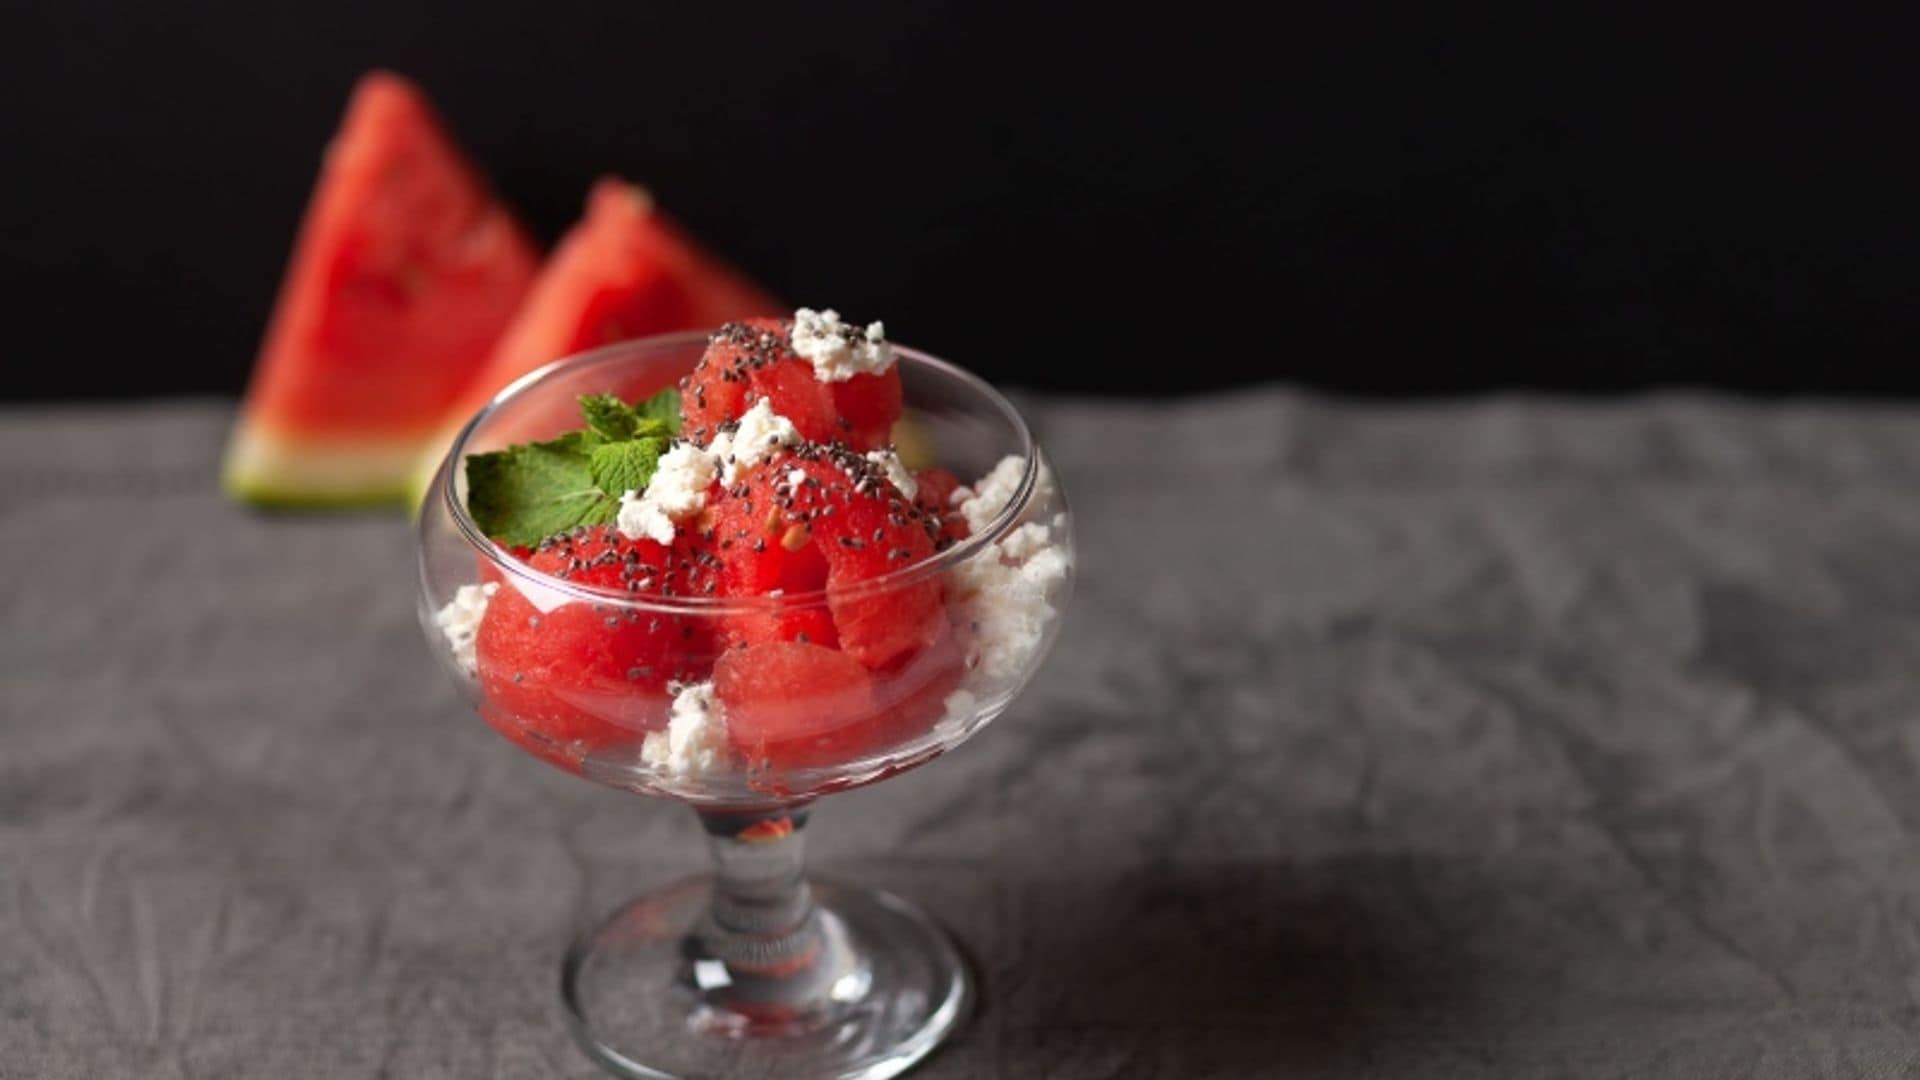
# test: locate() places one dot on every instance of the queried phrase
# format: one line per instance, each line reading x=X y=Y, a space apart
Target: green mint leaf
x=625 y=466
x=617 y=421
x=526 y=493
x=664 y=407
x=609 y=417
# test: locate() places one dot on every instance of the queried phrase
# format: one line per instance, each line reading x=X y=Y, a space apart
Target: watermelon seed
x=533 y=621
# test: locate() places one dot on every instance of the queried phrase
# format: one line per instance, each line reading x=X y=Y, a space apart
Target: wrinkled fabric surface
x=1504 y=738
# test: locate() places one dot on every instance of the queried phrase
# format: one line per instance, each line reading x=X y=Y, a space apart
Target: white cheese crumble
x=989 y=495
x=677 y=491
x=837 y=350
x=679 y=485
x=460 y=622
x=1007 y=590
x=1025 y=542
x=897 y=472
x=1010 y=607
x=696 y=737
x=678 y=488
x=761 y=434
x=643 y=520
x=961 y=705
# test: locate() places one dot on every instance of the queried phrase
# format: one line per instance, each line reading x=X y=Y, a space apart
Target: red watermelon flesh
x=868 y=406
x=863 y=528
x=405 y=273
x=744 y=362
x=589 y=675
x=625 y=271
x=754 y=359
x=754 y=562
x=790 y=705
x=933 y=494
x=914 y=694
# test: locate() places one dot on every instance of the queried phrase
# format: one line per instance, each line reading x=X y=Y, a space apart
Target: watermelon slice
x=586 y=676
x=405 y=273
x=625 y=271
x=791 y=705
x=754 y=358
x=933 y=494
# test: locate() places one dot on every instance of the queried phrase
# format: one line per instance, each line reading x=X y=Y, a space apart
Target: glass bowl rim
x=913 y=573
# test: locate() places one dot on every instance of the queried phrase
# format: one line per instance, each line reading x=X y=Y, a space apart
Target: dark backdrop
x=1368 y=200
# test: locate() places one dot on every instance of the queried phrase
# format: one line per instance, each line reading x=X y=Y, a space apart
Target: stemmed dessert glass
x=753 y=969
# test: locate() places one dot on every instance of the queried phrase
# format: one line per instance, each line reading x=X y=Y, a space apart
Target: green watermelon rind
x=267 y=473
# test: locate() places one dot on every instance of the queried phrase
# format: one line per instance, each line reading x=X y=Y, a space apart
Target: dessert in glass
x=744 y=570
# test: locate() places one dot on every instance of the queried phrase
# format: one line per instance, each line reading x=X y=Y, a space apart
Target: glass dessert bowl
x=796 y=595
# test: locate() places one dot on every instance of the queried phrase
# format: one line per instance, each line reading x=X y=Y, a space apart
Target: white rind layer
x=266 y=468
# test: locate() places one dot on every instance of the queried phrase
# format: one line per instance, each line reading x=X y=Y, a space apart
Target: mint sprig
x=616 y=421
x=528 y=492
x=663 y=407
x=625 y=466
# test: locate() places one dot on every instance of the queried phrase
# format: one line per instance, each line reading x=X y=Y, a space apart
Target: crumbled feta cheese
x=1025 y=542
x=460 y=621
x=1046 y=568
x=1007 y=590
x=642 y=519
x=696 y=736
x=961 y=705
x=677 y=491
x=1009 y=612
x=897 y=472
x=837 y=350
x=796 y=476
x=679 y=485
x=760 y=435
x=982 y=502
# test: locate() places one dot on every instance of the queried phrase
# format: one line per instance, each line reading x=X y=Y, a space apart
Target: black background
x=1374 y=200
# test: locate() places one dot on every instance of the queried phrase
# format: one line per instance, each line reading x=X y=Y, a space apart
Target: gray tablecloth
x=1495 y=739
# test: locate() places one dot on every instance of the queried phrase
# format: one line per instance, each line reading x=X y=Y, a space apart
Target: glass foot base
x=870 y=991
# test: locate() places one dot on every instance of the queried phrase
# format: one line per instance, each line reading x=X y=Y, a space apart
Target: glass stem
x=763 y=947
x=761 y=904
